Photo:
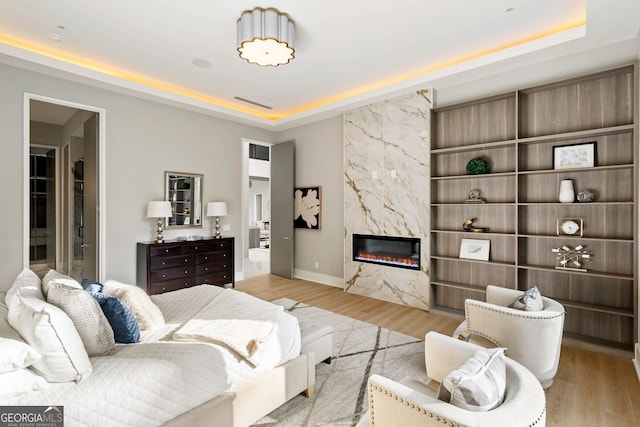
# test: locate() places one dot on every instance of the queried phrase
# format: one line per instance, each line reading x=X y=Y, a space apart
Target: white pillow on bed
x=146 y=312
x=51 y=333
x=29 y=283
x=87 y=317
x=15 y=355
x=6 y=330
x=55 y=276
x=19 y=382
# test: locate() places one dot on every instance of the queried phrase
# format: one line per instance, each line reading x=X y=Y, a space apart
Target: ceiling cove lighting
x=265 y=37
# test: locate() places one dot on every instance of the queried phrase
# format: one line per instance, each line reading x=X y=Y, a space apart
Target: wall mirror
x=184 y=191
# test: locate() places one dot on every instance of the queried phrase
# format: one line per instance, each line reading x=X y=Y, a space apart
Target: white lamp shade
x=159 y=209
x=216 y=209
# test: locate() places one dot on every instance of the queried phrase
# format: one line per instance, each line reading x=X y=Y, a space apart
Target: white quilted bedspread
x=245 y=324
x=150 y=383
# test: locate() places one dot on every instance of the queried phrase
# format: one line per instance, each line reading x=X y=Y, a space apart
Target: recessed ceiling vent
x=248 y=101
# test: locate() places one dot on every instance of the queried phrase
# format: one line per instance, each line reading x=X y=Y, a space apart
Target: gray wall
x=144 y=139
x=318 y=154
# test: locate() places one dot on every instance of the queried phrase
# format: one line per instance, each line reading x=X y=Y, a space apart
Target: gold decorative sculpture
x=468 y=226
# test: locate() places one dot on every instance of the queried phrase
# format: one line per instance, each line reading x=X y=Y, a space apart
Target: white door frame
x=101 y=211
x=244 y=179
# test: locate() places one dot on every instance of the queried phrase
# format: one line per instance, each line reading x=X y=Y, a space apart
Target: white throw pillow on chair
x=479 y=384
x=530 y=300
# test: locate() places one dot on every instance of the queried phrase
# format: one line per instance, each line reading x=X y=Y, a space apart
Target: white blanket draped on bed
x=245 y=324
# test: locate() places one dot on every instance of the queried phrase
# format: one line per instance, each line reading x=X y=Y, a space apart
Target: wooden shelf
x=474 y=261
x=577 y=134
x=473 y=147
x=596 y=307
x=569 y=238
x=576 y=170
x=486 y=204
x=460 y=286
x=486 y=175
x=473 y=235
x=569 y=205
x=579 y=273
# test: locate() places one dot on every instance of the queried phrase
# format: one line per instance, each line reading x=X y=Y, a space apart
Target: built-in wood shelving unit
x=516 y=132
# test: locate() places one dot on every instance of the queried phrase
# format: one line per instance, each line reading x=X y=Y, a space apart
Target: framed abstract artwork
x=307 y=207
x=574 y=156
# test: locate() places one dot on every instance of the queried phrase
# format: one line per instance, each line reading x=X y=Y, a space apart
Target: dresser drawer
x=215 y=245
x=220 y=278
x=165 y=249
x=212 y=267
x=172 y=273
x=170 y=285
x=162 y=262
x=213 y=257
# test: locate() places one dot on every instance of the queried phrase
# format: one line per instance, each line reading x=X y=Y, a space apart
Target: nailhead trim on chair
x=409 y=404
x=425 y=412
x=523 y=314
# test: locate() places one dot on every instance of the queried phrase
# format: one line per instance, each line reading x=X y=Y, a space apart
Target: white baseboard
x=238 y=276
x=636 y=360
x=325 y=279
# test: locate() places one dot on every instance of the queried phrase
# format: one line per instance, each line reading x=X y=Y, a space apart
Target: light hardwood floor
x=590 y=389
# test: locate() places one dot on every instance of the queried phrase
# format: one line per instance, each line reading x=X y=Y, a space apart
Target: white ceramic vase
x=566 y=194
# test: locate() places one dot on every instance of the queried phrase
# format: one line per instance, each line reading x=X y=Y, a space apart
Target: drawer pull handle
x=196 y=248
x=163 y=276
x=164 y=263
x=186 y=260
x=206 y=269
x=166 y=251
x=206 y=258
x=186 y=272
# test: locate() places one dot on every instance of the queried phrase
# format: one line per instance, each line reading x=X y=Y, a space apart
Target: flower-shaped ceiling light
x=265 y=37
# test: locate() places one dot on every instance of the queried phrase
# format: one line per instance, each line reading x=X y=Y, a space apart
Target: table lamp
x=217 y=209
x=160 y=210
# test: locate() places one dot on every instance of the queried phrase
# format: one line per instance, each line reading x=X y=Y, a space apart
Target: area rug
x=360 y=349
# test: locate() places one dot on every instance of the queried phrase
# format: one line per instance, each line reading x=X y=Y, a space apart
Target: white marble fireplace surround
x=386 y=170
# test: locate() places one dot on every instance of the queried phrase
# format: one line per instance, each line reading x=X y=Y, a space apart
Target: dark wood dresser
x=177 y=264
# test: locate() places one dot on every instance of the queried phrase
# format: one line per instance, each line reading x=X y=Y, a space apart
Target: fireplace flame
x=387 y=259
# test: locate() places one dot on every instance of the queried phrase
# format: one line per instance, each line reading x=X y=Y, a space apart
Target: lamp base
x=159 y=236
x=217 y=233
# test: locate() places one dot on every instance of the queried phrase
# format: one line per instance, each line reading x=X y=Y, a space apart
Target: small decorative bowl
x=477 y=166
x=586 y=196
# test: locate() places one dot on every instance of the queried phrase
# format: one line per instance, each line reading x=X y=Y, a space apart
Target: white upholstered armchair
x=532 y=338
x=411 y=403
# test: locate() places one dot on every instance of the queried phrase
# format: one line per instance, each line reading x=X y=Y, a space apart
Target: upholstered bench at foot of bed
x=317 y=339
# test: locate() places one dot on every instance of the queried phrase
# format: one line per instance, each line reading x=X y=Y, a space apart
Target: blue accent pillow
x=124 y=324
x=91 y=285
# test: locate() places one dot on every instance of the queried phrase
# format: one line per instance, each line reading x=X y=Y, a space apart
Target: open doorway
x=257 y=253
x=63 y=167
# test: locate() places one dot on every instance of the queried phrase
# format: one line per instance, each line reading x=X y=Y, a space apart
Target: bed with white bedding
x=178 y=375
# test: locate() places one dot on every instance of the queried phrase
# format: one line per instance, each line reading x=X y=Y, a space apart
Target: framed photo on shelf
x=475 y=249
x=573 y=156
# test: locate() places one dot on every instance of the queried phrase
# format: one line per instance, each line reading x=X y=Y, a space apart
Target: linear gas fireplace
x=402 y=252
